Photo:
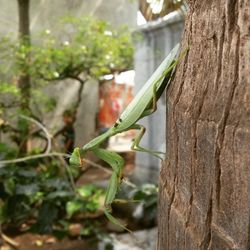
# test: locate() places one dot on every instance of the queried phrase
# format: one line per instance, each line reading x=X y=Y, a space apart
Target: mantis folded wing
x=142 y=105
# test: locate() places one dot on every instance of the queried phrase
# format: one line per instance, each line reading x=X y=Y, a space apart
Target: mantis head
x=76 y=158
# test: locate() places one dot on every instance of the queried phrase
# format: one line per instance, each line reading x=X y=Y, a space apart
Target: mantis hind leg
x=114 y=220
x=137 y=147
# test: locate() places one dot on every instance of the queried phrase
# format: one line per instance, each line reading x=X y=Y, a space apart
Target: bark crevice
x=207 y=237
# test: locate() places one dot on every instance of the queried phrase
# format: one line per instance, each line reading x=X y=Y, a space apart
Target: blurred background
x=68 y=69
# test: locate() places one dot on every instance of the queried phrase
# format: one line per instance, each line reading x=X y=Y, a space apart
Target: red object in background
x=105 y=115
x=108 y=112
x=113 y=98
x=129 y=96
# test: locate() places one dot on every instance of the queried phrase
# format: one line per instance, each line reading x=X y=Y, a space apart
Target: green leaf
x=56 y=183
x=27 y=173
x=59 y=194
x=8 y=88
x=6 y=152
x=38 y=196
x=86 y=190
x=28 y=189
x=86 y=231
x=9 y=186
x=92 y=206
x=73 y=206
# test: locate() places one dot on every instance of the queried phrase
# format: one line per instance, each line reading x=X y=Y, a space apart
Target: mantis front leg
x=117 y=164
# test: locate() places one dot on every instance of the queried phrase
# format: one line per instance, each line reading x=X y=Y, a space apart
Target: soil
x=46 y=242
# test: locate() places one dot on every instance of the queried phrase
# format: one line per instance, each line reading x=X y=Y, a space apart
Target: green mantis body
x=142 y=105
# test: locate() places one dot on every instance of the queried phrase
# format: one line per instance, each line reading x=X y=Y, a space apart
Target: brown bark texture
x=204 y=199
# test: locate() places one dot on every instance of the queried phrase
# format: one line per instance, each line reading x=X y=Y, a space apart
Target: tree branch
x=47 y=134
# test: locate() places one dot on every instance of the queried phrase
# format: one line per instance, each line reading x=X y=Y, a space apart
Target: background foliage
x=39 y=192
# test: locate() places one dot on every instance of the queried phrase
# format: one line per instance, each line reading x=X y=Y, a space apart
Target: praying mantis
x=144 y=104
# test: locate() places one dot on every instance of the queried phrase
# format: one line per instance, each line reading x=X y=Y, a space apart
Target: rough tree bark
x=204 y=199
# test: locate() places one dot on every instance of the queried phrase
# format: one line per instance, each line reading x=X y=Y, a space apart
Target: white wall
x=45 y=13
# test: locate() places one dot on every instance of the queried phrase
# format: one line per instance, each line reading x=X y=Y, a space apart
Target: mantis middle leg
x=137 y=147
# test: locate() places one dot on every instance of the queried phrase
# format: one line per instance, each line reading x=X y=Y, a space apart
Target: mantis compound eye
x=116 y=123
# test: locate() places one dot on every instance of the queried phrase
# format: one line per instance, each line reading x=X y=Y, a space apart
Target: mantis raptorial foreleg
x=112 y=158
x=117 y=164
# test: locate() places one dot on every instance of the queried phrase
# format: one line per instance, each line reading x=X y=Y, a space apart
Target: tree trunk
x=24 y=37
x=24 y=77
x=204 y=199
x=24 y=21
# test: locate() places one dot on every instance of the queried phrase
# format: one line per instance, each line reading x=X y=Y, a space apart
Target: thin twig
x=58 y=154
x=47 y=134
x=31 y=157
x=8 y=239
